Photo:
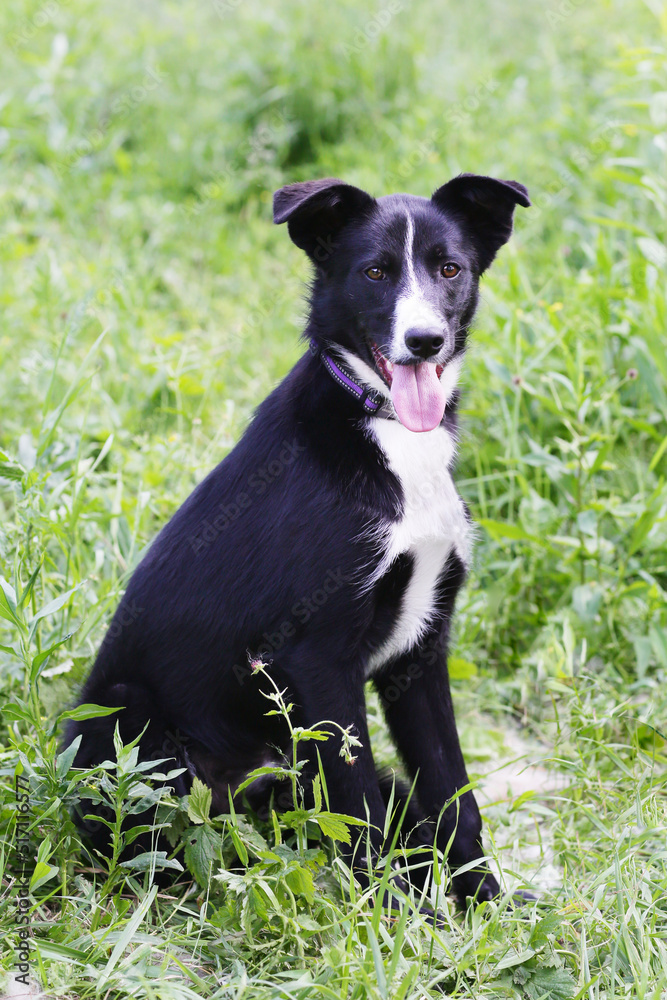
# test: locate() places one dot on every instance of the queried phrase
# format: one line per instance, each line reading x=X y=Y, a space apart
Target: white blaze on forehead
x=412 y=309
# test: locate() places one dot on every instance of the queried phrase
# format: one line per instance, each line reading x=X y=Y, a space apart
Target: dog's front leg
x=337 y=702
x=416 y=697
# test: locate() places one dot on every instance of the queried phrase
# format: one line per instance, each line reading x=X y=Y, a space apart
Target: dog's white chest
x=433 y=524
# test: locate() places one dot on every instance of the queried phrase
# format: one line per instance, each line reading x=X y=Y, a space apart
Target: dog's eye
x=374 y=273
x=449 y=269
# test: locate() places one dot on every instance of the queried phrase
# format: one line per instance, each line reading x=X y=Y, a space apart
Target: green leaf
x=82 y=712
x=350 y=820
x=239 y=846
x=295 y=818
x=49 y=609
x=332 y=825
x=654 y=251
x=257 y=773
x=658 y=455
x=65 y=760
x=407 y=982
x=317 y=793
x=27 y=591
x=523 y=798
x=8 y=609
x=300 y=881
x=380 y=973
x=76 y=385
x=10 y=469
x=518 y=959
x=499 y=529
x=549 y=924
x=17 y=711
x=252 y=838
x=478 y=863
x=126 y=935
x=43 y=873
x=104 y=451
x=309 y=924
x=658 y=639
x=645 y=523
x=199 y=802
x=45 y=850
x=587 y=522
x=49 y=949
x=556 y=984
x=310 y=734
x=39 y=662
x=461 y=670
x=586 y=600
x=157 y=860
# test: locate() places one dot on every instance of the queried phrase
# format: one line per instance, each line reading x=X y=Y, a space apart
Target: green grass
x=148 y=304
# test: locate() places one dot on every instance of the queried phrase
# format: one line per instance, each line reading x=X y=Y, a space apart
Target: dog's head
x=397 y=278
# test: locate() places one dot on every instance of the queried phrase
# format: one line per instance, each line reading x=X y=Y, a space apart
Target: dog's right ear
x=315 y=212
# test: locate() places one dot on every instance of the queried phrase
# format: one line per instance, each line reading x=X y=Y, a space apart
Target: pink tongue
x=418 y=397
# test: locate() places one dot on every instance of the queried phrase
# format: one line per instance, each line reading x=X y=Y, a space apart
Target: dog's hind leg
x=332 y=700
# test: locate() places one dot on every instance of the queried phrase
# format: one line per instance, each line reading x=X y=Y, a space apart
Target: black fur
x=268 y=557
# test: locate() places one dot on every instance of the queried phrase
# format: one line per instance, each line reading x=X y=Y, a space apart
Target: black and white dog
x=331 y=541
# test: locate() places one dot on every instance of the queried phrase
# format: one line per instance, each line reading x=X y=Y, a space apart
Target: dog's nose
x=424 y=343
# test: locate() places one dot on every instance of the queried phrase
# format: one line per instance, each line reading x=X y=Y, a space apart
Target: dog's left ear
x=315 y=211
x=486 y=207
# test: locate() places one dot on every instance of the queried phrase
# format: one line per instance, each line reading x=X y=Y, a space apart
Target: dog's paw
x=483 y=887
x=521 y=897
x=478 y=886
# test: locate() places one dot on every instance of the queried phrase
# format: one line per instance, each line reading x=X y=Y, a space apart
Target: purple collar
x=370 y=400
